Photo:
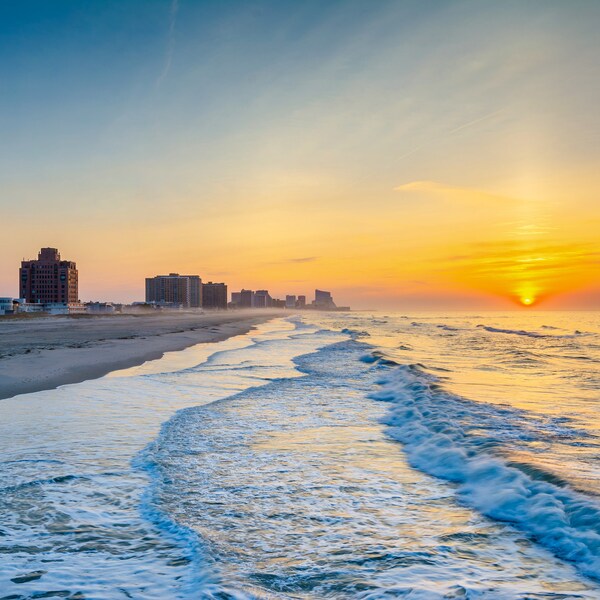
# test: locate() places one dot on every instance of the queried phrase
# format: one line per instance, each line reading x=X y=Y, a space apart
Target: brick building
x=49 y=279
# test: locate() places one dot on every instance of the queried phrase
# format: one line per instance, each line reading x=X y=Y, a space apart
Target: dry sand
x=43 y=353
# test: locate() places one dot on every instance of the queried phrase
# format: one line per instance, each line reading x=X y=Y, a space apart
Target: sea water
x=320 y=456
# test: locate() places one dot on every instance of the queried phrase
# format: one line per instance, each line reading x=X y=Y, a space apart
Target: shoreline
x=37 y=356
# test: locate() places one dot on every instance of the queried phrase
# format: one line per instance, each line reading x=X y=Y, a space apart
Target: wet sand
x=44 y=353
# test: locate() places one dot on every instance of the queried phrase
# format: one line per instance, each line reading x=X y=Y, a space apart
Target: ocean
x=322 y=455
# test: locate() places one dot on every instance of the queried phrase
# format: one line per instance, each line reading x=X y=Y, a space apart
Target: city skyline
x=51 y=283
x=404 y=155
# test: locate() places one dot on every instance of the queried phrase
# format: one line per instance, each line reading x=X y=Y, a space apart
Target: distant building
x=100 y=307
x=60 y=308
x=214 y=295
x=27 y=307
x=174 y=290
x=301 y=302
x=323 y=300
x=7 y=306
x=276 y=303
x=49 y=280
x=236 y=299
x=262 y=299
x=246 y=299
x=290 y=301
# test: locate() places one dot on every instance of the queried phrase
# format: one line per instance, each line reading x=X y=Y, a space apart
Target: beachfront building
x=7 y=306
x=49 y=280
x=290 y=301
x=100 y=308
x=262 y=299
x=323 y=300
x=214 y=295
x=246 y=299
x=301 y=302
x=174 y=290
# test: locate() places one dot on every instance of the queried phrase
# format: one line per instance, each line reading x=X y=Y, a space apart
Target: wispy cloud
x=292 y=261
x=453 y=193
x=511 y=260
x=451 y=132
x=170 y=42
x=302 y=260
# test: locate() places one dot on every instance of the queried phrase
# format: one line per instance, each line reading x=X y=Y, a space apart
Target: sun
x=527 y=301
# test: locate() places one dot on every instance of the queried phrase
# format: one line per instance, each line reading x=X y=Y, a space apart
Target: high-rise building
x=174 y=290
x=246 y=299
x=49 y=279
x=323 y=300
x=214 y=295
x=262 y=299
x=301 y=302
x=290 y=301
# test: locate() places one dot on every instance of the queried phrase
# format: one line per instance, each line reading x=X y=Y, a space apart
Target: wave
x=524 y=332
x=447 y=327
x=354 y=333
x=378 y=357
x=434 y=428
x=58 y=479
x=200 y=579
x=532 y=334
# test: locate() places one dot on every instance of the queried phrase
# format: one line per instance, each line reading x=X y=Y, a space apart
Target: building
x=236 y=299
x=246 y=299
x=174 y=290
x=7 y=306
x=290 y=301
x=60 y=308
x=301 y=302
x=262 y=299
x=27 y=307
x=323 y=300
x=214 y=295
x=49 y=280
x=100 y=308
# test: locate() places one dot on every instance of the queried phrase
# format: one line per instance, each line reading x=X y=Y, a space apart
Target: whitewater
x=322 y=455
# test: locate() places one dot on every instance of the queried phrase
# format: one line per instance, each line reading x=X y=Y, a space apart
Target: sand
x=44 y=353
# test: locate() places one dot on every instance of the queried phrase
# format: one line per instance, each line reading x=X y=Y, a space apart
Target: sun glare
x=527 y=301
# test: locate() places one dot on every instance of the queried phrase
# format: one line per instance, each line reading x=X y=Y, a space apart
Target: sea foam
x=431 y=425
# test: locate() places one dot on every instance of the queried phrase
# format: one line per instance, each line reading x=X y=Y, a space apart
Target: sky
x=422 y=154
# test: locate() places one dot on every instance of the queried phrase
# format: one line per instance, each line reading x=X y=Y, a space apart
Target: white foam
x=428 y=422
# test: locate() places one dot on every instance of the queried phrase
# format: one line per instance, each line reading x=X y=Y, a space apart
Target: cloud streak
x=174 y=9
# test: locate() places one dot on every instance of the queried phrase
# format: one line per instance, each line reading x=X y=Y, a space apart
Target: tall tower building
x=49 y=279
x=174 y=290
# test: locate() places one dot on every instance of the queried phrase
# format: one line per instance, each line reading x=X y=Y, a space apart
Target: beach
x=44 y=353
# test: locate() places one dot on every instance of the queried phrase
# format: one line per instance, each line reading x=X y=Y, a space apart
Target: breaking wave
x=434 y=427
